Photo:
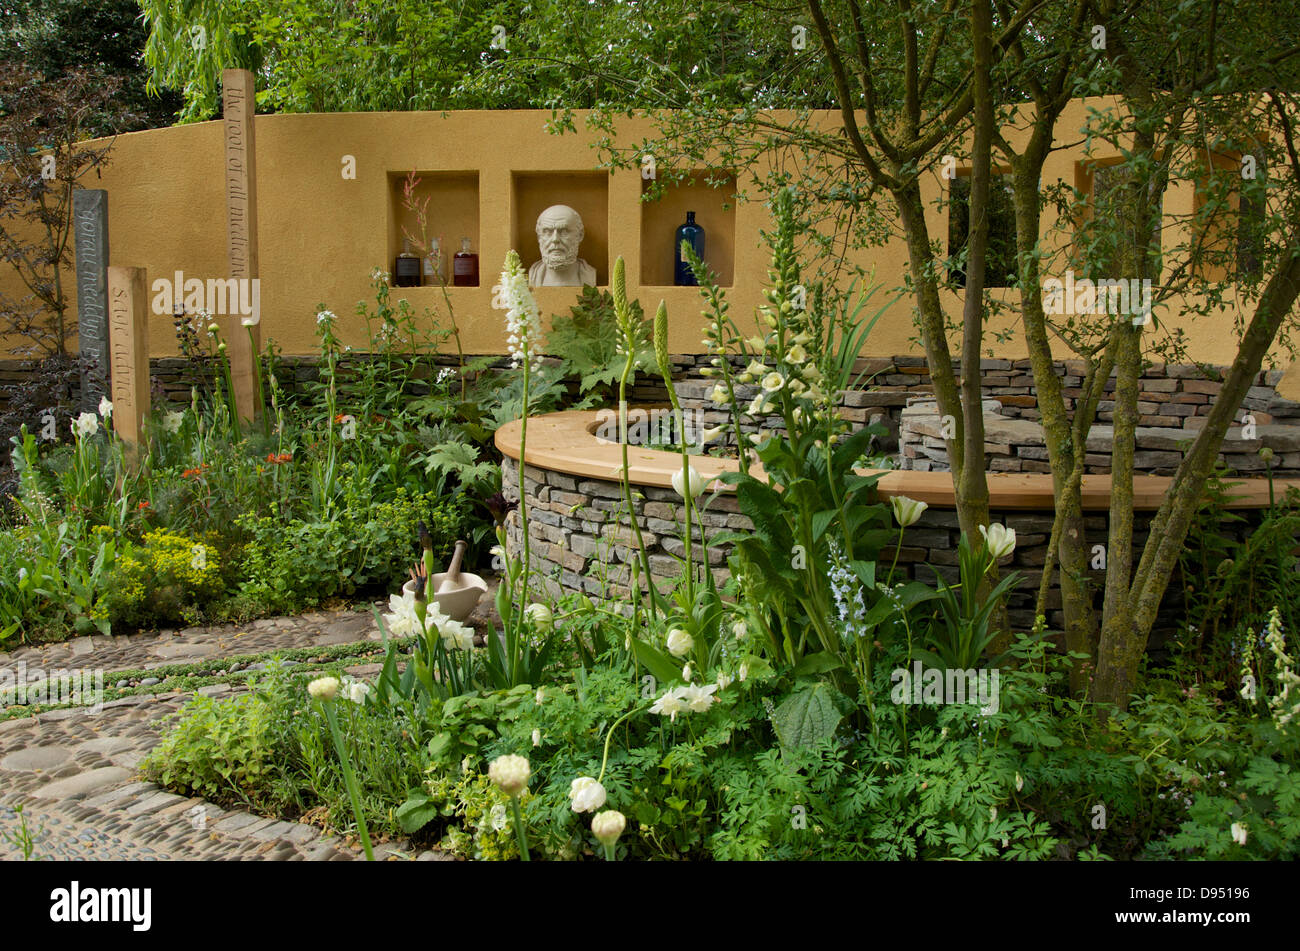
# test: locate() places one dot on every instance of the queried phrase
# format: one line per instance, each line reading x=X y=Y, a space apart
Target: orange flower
x=143 y=505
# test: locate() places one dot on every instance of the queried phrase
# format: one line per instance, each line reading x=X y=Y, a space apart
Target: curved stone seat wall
x=581 y=539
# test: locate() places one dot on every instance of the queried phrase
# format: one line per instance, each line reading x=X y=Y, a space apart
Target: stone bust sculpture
x=559 y=233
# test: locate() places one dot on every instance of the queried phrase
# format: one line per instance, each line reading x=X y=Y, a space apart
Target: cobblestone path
x=73 y=771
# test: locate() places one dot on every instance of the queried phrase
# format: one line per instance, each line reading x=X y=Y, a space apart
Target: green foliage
x=587 y=343
x=169 y=579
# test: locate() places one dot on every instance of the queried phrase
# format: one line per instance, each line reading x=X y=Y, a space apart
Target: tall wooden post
x=128 y=344
x=239 y=107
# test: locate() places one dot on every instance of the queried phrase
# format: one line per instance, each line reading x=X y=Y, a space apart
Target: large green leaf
x=807 y=717
x=660 y=665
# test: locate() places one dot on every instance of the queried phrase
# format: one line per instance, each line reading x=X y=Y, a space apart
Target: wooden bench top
x=566 y=442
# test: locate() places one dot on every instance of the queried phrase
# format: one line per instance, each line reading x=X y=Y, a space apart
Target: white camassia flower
x=607 y=826
x=907 y=511
x=510 y=773
x=586 y=794
x=523 y=318
x=1000 y=539
x=85 y=425
x=324 y=688
x=679 y=642
x=105 y=407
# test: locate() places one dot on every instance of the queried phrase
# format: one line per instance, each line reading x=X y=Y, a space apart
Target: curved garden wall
x=581 y=540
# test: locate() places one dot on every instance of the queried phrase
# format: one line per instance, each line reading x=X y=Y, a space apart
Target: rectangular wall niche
x=452 y=214
x=587 y=193
x=712 y=196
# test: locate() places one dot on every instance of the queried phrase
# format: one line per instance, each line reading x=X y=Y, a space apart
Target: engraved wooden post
x=128 y=344
x=90 y=232
x=238 y=108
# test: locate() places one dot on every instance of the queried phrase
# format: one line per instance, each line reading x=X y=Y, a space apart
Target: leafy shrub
x=168 y=579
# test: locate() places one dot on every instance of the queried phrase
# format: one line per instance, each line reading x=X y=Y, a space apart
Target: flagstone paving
x=73 y=770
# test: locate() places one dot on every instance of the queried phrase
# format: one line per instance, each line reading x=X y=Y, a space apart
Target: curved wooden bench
x=566 y=442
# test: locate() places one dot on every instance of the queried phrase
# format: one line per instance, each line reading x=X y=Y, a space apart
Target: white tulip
x=697 y=482
x=680 y=643
x=1001 y=540
x=907 y=511
x=586 y=794
x=324 y=688
x=510 y=773
x=607 y=826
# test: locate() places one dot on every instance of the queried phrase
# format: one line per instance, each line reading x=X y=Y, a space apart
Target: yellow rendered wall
x=320 y=234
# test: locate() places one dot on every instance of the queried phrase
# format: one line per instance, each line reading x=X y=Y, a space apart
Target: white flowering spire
x=523 y=319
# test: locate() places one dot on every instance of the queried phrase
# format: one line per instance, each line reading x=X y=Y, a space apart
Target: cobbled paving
x=73 y=771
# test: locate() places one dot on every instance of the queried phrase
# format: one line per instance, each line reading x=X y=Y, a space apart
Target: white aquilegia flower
x=324 y=688
x=537 y=737
x=523 y=319
x=172 y=422
x=539 y=616
x=1000 y=539
x=105 y=407
x=773 y=382
x=607 y=826
x=586 y=794
x=725 y=680
x=670 y=704
x=358 y=691
x=510 y=773
x=679 y=642
x=401 y=618
x=697 y=482
x=85 y=425
x=1239 y=833
x=699 y=698
x=907 y=511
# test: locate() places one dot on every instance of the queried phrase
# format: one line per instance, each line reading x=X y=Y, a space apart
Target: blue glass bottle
x=682 y=274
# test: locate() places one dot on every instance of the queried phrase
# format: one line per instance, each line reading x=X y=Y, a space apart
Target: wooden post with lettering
x=128 y=345
x=238 y=109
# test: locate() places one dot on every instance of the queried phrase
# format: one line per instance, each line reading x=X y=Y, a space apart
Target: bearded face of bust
x=559 y=234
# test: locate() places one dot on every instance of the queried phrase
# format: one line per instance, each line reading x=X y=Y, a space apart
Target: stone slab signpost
x=90 y=233
x=128 y=338
x=242 y=333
